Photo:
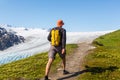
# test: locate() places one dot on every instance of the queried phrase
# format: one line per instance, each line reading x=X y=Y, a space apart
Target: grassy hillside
x=104 y=62
x=30 y=68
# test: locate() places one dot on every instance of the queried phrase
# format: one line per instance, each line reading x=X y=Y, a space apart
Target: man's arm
x=49 y=36
x=63 y=39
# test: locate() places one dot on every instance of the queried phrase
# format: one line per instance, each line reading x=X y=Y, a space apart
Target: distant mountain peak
x=5 y=25
x=8 y=38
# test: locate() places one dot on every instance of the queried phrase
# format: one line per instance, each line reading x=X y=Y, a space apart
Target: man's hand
x=63 y=51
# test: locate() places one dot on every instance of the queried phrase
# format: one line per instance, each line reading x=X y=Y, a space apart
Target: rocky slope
x=9 y=38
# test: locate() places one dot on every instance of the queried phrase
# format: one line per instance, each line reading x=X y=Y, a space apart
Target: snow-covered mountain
x=9 y=38
x=36 y=42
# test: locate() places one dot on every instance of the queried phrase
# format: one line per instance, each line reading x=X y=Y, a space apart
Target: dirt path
x=73 y=64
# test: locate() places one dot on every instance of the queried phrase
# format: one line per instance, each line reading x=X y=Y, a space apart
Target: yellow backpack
x=55 y=37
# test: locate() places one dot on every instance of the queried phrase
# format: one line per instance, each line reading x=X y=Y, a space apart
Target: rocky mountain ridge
x=9 y=38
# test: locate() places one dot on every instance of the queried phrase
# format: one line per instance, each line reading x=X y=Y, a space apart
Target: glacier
x=36 y=42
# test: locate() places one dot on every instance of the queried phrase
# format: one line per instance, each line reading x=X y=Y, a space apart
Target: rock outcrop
x=9 y=38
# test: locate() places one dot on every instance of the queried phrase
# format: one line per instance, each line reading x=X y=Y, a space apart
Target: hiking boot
x=46 y=78
x=65 y=72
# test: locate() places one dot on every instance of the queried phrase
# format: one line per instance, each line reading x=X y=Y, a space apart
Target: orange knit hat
x=60 y=23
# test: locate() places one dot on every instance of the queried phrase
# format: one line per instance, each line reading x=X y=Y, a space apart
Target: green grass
x=30 y=68
x=104 y=62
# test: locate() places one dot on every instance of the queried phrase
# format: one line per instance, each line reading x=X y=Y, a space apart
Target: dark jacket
x=63 y=37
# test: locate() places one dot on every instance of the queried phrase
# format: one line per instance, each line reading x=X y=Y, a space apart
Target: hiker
x=57 y=47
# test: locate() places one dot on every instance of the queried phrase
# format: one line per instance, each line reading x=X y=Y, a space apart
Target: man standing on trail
x=57 y=37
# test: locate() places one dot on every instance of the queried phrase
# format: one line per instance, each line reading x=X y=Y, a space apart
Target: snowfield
x=36 y=42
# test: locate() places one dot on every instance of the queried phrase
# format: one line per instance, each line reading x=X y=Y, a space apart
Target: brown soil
x=73 y=63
